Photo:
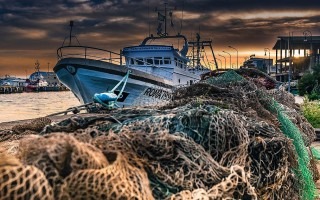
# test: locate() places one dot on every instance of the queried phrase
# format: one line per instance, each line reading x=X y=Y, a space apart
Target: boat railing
x=87 y=52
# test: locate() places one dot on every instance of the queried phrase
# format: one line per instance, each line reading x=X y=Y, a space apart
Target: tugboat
x=36 y=80
x=154 y=70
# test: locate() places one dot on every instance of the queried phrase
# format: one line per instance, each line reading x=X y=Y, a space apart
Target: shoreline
x=54 y=119
x=21 y=89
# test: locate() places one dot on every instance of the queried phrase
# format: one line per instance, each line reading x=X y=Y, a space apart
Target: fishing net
x=19 y=181
x=303 y=171
x=10 y=139
x=119 y=180
x=315 y=153
x=301 y=134
x=225 y=138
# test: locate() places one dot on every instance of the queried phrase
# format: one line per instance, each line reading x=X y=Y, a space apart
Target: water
x=32 y=105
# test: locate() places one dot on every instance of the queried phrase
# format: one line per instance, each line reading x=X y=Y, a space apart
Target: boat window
x=167 y=60
x=158 y=61
x=149 y=61
x=131 y=61
x=180 y=63
x=139 y=61
x=175 y=60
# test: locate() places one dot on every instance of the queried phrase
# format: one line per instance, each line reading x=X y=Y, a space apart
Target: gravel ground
x=9 y=125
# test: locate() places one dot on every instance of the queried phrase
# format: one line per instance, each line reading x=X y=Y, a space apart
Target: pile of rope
x=219 y=139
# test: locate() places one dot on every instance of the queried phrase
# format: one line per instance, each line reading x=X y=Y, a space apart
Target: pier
x=20 y=89
x=10 y=89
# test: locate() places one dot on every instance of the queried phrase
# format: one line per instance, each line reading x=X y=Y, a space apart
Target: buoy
x=105 y=97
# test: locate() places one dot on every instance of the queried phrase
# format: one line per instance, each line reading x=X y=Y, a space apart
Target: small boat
x=36 y=80
x=155 y=70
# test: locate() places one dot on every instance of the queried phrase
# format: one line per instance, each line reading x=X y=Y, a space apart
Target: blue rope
x=112 y=104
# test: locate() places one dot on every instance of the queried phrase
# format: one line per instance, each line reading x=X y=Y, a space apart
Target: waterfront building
x=262 y=64
x=12 y=81
x=296 y=53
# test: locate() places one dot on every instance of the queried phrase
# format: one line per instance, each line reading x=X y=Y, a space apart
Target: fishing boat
x=154 y=70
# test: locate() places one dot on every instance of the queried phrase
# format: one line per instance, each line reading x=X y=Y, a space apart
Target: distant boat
x=42 y=81
x=155 y=70
x=36 y=80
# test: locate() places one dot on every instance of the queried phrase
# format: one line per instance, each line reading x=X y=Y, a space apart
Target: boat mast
x=70 y=36
x=198 y=50
x=197 y=44
x=37 y=67
x=165 y=18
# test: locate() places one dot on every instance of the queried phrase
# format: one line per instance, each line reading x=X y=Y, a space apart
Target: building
x=12 y=81
x=261 y=63
x=297 y=54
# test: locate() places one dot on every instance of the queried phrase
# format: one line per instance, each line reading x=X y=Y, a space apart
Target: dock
x=20 y=89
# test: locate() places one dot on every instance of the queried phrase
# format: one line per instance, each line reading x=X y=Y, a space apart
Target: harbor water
x=22 y=106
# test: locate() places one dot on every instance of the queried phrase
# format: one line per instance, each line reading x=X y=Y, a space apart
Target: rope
x=125 y=78
x=74 y=110
x=110 y=103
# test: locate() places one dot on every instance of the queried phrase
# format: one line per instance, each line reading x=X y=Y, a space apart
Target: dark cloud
x=40 y=26
x=249 y=5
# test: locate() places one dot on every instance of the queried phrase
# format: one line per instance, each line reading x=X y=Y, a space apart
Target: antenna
x=181 y=17
x=149 y=16
x=70 y=35
x=37 y=66
x=163 y=18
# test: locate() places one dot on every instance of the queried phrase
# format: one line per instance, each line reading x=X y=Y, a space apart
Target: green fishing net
x=288 y=128
x=315 y=153
x=224 y=138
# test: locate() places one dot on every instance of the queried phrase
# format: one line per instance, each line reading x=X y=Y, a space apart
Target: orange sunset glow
x=33 y=30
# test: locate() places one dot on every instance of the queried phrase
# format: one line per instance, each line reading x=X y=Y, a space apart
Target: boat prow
x=86 y=77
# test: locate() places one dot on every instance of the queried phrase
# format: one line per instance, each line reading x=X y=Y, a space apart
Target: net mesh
x=225 y=138
x=301 y=136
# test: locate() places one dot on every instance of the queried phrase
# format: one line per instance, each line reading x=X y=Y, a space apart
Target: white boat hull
x=87 y=77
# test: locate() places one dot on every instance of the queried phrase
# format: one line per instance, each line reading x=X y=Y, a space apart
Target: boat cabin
x=160 y=60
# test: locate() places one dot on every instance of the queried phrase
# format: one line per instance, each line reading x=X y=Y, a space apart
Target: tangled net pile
x=226 y=138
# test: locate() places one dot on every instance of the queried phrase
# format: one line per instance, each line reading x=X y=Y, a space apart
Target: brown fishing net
x=18 y=181
x=228 y=188
x=119 y=180
x=57 y=155
x=35 y=125
x=226 y=138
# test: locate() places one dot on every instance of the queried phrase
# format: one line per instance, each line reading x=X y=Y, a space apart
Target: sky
x=32 y=30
